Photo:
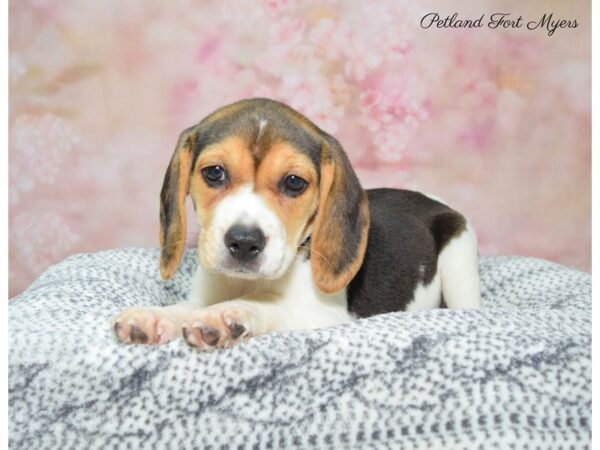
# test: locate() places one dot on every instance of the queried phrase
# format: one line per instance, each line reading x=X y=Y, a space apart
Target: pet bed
x=516 y=373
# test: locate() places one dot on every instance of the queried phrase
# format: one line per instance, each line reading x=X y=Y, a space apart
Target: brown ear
x=174 y=191
x=339 y=238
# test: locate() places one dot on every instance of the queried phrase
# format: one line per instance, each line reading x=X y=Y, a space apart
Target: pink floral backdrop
x=496 y=122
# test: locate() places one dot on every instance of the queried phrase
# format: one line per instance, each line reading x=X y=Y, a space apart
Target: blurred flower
x=245 y=11
x=39 y=146
x=43 y=239
x=17 y=68
x=275 y=6
x=360 y=59
x=330 y=38
x=391 y=119
x=285 y=34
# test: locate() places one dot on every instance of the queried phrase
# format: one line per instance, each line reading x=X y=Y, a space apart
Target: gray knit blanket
x=515 y=374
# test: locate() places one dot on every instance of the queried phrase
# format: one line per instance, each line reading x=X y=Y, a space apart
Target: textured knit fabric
x=516 y=372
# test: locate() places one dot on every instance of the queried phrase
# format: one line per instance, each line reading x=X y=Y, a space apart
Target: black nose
x=244 y=243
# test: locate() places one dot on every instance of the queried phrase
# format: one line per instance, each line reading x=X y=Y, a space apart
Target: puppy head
x=264 y=179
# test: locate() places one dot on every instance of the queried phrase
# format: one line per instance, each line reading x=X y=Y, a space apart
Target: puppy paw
x=145 y=326
x=218 y=326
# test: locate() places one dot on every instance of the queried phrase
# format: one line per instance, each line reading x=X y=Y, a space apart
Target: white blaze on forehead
x=262 y=123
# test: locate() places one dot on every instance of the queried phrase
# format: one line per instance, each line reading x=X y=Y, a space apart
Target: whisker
x=321 y=256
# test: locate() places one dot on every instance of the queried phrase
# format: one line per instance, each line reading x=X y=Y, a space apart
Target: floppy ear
x=339 y=238
x=174 y=191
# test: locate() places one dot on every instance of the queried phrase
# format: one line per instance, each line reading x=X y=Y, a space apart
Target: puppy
x=288 y=238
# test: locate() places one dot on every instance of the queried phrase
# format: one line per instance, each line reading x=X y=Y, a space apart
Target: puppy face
x=264 y=179
x=254 y=207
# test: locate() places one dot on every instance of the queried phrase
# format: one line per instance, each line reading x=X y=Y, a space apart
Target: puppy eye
x=214 y=175
x=293 y=185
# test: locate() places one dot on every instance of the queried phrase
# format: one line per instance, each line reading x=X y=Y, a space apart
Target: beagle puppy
x=289 y=240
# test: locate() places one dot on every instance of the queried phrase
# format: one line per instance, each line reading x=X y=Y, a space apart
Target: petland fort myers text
x=548 y=22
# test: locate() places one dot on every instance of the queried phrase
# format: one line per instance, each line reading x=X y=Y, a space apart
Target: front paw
x=145 y=326
x=218 y=326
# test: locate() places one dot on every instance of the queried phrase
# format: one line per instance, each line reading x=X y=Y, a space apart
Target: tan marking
x=176 y=233
x=345 y=277
x=294 y=212
x=322 y=247
x=327 y=243
x=232 y=154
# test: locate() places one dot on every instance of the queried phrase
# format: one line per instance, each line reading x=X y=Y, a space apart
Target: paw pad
x=210 y=335
x=137 y=335
x=236 y=330
x=144 y=326
x=212 y=328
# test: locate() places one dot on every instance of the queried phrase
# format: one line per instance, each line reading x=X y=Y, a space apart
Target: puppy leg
x=227 y=323
x=151 y=324
x=458 y=264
